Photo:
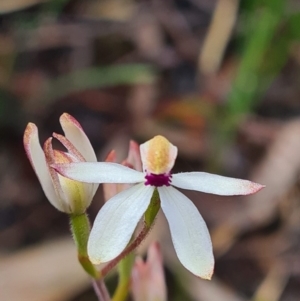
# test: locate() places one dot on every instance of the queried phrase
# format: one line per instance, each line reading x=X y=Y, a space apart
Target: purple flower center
x=158 y=180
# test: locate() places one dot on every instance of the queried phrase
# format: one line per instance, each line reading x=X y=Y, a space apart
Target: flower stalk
x=124 y=271
x=80 y=228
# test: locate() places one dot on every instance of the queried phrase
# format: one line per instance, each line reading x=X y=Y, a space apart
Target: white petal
x=74 y=132
x=210 y=183
x=37 y=159
x=116 y=221
x=189 y=232
x=158 y=155
x=99 y=172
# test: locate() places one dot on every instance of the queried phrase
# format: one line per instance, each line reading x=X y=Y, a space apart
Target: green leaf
x=99 y=77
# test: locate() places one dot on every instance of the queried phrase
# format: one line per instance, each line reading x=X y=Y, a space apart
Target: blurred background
x=219 y=78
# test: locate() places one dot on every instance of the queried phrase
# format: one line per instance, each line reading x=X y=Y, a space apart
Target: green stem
x=124 y=269
x=80 y=228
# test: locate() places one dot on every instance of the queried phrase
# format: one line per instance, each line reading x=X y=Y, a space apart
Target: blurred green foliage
x=269 y=31
x=99 y=77
x=265 y=51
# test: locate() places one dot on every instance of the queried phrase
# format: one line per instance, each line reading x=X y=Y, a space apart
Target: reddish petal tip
x=111 y=157
x=65 y=117
x=29 y=130
x=255 y=187
x=55 y=167
x=134 y=144
x=30 y=138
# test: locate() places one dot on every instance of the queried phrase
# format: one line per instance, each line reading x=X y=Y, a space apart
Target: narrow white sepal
x=99 y=172
x=189 y=233
x=210 y=183
x=116 y=221
x=74 y=133
x=37 y=159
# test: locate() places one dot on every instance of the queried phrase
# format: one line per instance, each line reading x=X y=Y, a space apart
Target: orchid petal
x=70 y=147
x=110 y=189
x=111 y=157
x=37 y=159
x=158 y=155
x=134 y=156
x=189 y=232
x=74 y=132
x=147 y=278
x=210 y=183
x=116 y=221
x=99 y=172
x=50 y=159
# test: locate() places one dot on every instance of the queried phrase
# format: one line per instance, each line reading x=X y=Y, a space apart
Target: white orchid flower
x=117 y=219
x=66 y=195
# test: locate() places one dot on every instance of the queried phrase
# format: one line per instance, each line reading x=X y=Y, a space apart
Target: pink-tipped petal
x=99 y=172
x=50 y=159
x=134 y=156
x=37 y=159
x=155 y=262
x=158 y=155
x=110 y=189
x=215 y=184
x=148 y=281
x=116 y=221
x=189 y=233
x=69 y=146
x=74 y=132
x=111 y=157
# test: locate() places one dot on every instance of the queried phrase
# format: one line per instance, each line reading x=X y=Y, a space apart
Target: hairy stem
x=80 y=228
